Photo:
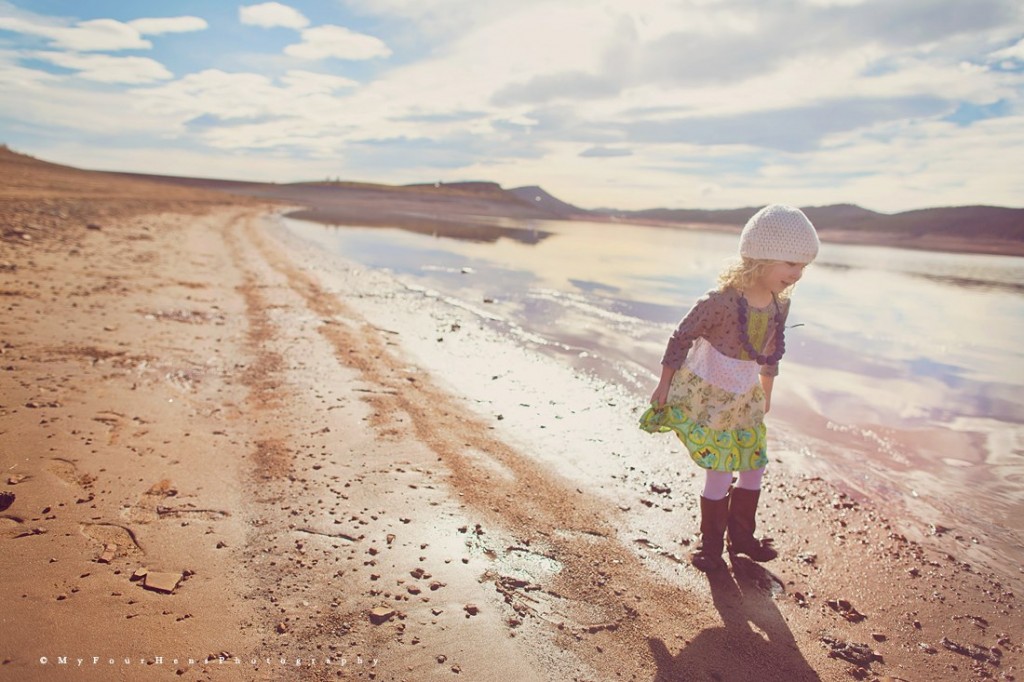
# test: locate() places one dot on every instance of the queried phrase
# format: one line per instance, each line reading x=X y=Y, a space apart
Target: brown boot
x=742 y=510
x=714 y=515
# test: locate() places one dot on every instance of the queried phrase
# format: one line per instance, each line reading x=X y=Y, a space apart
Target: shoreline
x=328 y=472
x=475 y=227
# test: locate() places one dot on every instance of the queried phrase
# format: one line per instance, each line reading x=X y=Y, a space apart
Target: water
x=903 y=375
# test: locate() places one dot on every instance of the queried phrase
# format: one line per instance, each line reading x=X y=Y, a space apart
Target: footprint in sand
x=107 y=534
x=11 y=527
x=67 y=471
x=112 y=420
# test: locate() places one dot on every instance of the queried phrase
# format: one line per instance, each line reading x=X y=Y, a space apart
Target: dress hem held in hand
x=715 y=403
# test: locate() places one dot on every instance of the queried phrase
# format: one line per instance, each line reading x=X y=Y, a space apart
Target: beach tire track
x=272 y=458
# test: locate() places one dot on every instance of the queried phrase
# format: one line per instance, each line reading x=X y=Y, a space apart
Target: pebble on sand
x=162 y=582
x=381 y=614
x=109 y=552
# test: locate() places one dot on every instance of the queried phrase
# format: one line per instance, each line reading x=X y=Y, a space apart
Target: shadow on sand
x=753 y=644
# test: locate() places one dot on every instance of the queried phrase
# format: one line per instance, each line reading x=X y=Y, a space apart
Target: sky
x=889 y=104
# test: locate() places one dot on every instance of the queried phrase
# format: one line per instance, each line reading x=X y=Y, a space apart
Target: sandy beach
x=227 y=463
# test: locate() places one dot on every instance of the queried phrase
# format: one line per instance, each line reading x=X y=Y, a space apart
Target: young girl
x=717 y=375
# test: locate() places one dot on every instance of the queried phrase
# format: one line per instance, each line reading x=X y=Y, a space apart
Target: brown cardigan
x=715 y=316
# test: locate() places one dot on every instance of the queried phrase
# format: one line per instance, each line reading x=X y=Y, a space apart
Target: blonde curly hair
x=743 y=273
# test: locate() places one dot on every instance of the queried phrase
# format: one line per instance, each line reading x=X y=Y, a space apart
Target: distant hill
x=537 y=197
x=474 y=209
x=985 y=229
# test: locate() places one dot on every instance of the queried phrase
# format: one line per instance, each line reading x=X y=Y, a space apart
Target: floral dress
x=715 y=402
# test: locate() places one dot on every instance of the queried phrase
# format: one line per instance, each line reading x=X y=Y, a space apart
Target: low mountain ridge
x=848 y=222
x=435 y=207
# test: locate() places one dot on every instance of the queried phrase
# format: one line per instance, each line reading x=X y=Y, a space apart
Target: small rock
x=381 y=614
x=93 y=226
x=845 y=609
x=878 y=637
x=139 y=574
x=858 y=673
x=282 y=628
x=471 y=609
x=807 y=558
x=109 y=552
x=975 y=651
x=859 y=654
x=162 y=582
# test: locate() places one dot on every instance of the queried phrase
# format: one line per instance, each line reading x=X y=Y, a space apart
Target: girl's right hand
x=660 y=396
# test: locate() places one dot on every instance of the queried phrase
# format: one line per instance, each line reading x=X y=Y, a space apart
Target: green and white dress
x=715 y=402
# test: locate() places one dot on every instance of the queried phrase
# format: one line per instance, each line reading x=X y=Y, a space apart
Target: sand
x=222 y=468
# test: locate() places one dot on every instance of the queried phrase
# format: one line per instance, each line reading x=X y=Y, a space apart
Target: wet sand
x=316 y=494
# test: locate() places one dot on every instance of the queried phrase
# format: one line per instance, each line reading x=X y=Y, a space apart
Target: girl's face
x=781 y=275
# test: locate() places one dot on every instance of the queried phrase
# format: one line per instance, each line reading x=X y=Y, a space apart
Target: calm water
x=904 y=378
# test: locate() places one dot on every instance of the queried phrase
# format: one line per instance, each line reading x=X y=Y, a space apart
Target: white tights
x=716 y=483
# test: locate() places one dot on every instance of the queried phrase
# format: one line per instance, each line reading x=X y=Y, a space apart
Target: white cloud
x=215 y=93
x=272 y=14
x=1012 y=52
x=252 y=110
x=439 y=20
x=107 y=69
x=836 y=3
x=14 y=77
x=338 y=42
x=307 y=82
x=159 y=26
x=35 y=100
x=86 y=36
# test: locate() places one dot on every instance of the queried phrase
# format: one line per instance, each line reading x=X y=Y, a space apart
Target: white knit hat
x=778 y=232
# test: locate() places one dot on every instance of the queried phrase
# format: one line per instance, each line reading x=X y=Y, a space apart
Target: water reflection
x=904 y=370
x=483 y=229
